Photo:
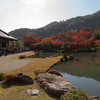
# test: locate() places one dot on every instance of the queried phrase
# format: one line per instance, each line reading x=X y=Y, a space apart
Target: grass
x=28 y=54
x=75 y=95
x=18 y=92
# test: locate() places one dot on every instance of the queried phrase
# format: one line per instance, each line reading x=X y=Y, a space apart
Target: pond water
x=83 y=74
x=44 y=54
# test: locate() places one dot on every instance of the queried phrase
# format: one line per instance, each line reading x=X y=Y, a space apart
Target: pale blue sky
x=16 y=14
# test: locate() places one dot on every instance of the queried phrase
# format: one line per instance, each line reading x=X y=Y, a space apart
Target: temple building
x=5 y=38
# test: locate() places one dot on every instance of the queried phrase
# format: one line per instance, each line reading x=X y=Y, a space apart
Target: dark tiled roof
x=5 y=35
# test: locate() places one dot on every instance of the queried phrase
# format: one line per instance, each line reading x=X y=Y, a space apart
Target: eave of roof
x=5 y=35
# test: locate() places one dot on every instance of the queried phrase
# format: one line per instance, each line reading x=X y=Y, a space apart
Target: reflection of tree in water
x=88 y=66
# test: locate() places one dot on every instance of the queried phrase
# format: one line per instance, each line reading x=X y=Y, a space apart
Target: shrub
x=22 y=56
x=52 y=71
x=1 y=74
x=75 y=95
x=9 y=77
x=39 y=71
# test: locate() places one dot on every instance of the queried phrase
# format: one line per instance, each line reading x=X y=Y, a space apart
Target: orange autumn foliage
x=97 y=43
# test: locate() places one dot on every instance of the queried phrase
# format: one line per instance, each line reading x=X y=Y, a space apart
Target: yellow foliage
x=98 y=31
x=46 y=41
x=97 y=43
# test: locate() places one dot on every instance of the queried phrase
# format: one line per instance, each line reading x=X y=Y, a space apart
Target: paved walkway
x=9 y=64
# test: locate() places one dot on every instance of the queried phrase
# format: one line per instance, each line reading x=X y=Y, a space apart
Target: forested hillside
x=54 y=28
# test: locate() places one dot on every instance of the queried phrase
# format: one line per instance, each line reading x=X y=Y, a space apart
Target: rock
x=43 y=57
x=55 y=55
x=65 y=58
x=98 y=51
x=33 y=92
x=53 y=84
x=58 y=54
x=61 y=60
x=53 y=71
x=76 y=59
x=71 y=57
x=40 y=53
x=24 y=79
x=94 y=98
x=19 y=74
x=51 y=56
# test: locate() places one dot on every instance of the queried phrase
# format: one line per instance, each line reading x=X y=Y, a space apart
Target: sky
x=15 y=14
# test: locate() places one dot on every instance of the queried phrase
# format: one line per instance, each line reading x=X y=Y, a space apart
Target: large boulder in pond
x=71 y=57
x=61 y=59
x=53 y=84
x=53 y=71
x=98 y=51
x=24 y=79
x=76 y=59
x=65 y=58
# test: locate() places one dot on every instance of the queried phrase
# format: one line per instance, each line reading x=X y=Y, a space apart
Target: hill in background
x=54 y=28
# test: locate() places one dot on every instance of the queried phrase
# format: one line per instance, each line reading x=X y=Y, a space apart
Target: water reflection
x=44 y=54
x=88 y=66
x=84 y=74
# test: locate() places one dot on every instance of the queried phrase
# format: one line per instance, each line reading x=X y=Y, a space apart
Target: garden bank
x=16 y=92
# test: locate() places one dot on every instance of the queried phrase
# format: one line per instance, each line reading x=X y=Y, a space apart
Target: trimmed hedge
x=1 y=74
x=22 y=56
x=9 y=77
x=53 y=71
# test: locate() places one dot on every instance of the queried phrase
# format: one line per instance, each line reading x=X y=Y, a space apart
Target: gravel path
x=9 y=64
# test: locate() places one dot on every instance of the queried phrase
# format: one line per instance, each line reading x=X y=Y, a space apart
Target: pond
x=83 y=74
x=44 y=54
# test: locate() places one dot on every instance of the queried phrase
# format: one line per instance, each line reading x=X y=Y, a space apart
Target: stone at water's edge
x=94 y=98
x=76 y=59
x=61 y=59
x=71 y=57
x=53 y=84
